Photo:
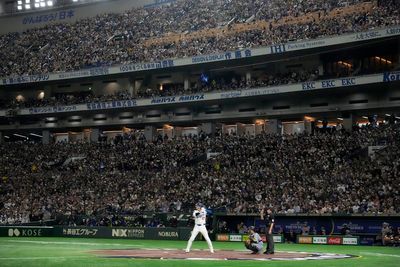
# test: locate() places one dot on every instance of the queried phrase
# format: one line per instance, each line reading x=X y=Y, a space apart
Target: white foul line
x=380 y=254
x=42 y=258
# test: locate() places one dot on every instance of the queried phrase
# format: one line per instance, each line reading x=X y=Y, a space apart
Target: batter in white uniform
x=200 y=215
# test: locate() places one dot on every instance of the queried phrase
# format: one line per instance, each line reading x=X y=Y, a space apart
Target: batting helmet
x=199 y=205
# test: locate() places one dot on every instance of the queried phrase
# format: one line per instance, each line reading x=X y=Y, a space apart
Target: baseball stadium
x=200 y=133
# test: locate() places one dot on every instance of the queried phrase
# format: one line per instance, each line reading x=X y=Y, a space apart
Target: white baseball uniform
x=200 y=226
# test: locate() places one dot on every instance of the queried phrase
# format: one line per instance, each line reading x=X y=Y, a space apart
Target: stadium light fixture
x=75 y=1
x=22 y=136
x=383 y=60
x=348 y=65
x=19 y=2
x=51 y=119
x=27 y=1
x=37 y=5
x=309 y=118
x=340 y=119
x=7 y=137
x=27 y=6
x=33 y=134
x=49 y=3
x=19 y=7
x=42 y=4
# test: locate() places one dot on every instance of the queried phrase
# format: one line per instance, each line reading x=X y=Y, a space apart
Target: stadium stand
x=98 y=181
x=111 y=39
x=130 y=175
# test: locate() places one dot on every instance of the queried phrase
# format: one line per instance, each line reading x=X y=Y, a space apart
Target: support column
x=348 y=123
x=150 y=133
x=168 y=131
x=94 y=135
x=259 y=127
x=208 y=128
x=1 y=138
x=46 y=137
x=273 y=126
x=136 y=86
x=186 y=83
x=131 y=89
x=321 y=70
x=241 y=129
x=248 y=78
x=178 y=132
x=308 y=126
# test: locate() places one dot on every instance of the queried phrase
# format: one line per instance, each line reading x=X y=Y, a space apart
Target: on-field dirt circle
x=173 y=254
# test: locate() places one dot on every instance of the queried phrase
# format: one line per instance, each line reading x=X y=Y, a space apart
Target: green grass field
x=74 y=252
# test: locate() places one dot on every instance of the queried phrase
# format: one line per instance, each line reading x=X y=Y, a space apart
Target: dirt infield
x=164 y=254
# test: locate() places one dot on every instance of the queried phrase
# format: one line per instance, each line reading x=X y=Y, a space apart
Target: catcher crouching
x=254 y=243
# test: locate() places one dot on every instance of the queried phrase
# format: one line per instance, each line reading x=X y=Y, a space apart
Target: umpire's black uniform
x=269 y=220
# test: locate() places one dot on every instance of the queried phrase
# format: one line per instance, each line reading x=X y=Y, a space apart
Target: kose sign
x=24 y=232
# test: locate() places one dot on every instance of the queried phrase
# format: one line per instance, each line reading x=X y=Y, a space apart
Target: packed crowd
x=236 y=83
x=390 y=235
x=317 y=174
x=111 y=39
x=64 y=99
x=215 y=85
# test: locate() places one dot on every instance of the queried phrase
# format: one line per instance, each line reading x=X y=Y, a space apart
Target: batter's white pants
x=203 y=230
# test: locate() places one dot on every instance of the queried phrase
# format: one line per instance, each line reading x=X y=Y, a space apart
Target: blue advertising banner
x=391 y=76
x=222 y=56
x=56 y=109
x=58 y=16
x=111 y=104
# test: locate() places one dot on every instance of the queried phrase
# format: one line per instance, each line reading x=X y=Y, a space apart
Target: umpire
x=269 y=224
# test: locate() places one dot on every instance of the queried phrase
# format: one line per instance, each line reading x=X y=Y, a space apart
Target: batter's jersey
x=200 y=216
